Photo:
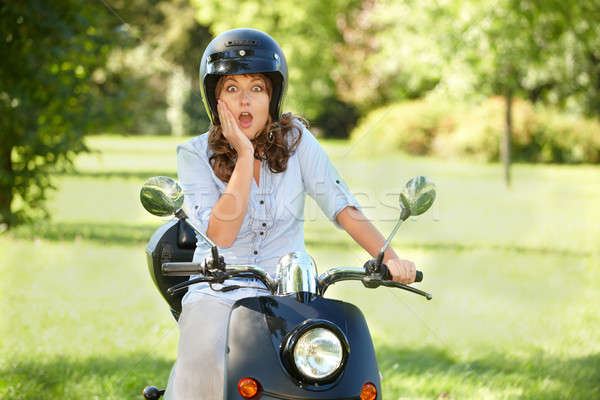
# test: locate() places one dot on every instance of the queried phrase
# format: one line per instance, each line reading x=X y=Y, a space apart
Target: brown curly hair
x=274 y=143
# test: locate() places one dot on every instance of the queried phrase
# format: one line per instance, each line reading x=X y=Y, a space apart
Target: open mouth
x=245 y=119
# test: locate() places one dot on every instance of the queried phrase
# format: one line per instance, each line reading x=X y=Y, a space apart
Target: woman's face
x=247 y=98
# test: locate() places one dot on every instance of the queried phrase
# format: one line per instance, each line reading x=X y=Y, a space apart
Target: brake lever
x=406 y=287
x=183 y=285
x=216 y=276
x=379 y=275
x=374 y=281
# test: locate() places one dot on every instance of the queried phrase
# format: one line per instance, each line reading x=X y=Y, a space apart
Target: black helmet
x=242 y=51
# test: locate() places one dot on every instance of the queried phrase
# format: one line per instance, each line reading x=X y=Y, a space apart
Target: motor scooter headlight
x=315 y=352
x=318 y=353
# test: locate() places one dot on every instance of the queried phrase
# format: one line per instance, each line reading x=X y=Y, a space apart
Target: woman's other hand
x=403 y=271
x=365 y=234
x=232 y=132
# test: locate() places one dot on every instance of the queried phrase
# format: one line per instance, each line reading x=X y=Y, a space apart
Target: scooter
x=303 y=345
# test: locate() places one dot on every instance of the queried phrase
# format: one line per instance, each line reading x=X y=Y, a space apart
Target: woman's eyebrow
x=229 y=78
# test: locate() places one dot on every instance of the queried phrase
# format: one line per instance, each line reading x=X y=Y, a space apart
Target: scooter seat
x=174 y=241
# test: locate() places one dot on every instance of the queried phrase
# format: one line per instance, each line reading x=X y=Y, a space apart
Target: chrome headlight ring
x=315 y=342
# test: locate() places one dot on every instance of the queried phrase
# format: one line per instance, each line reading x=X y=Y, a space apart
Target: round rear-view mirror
x=161 y=196
x=417 y=197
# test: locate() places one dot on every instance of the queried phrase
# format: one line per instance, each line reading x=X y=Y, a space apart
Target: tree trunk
x=6 y=186
x=506 y=140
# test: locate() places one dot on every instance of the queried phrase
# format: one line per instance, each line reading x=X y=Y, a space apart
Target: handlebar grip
x=387 y=276
x=419 y=276
x=181 y=268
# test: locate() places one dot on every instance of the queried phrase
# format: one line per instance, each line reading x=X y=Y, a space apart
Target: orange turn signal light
x=368 y=392
x=248 y=388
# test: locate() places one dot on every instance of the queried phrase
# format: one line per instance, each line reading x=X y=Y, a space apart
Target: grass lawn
x=515 y=276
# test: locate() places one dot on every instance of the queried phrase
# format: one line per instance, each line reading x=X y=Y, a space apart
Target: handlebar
x=370 y=279
x=214 y=275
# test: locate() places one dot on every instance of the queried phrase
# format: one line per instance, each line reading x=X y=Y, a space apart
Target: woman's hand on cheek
x=403 y=271
x=232 y=132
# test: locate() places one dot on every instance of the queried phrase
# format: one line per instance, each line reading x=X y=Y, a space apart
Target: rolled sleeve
x=199 y=189
x=321 y=180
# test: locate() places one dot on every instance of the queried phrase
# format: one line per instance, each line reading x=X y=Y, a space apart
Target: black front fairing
x=256 y=330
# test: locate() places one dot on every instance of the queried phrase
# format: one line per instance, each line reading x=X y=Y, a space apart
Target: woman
x=245 y=183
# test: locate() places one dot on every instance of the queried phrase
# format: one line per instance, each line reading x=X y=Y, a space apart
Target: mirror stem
x=403 y=217
x=388 y=241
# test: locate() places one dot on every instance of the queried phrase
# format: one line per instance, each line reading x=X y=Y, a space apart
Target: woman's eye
x=231 y=89
x=258 y=88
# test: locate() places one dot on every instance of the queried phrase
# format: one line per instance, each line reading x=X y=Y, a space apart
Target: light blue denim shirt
x=274 y=221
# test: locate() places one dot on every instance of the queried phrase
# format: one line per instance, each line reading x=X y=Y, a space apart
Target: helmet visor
x=246 y=61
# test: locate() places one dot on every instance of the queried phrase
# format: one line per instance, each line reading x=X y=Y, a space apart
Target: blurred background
x=498 y=102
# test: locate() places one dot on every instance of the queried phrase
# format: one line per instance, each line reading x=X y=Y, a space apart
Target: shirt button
x=264 y=224
x=262 y=233
x=255 y=252
x=337 y=181
x=262 y=202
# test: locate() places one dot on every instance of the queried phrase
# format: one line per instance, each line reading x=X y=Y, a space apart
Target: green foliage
x=127 y=101
x=336 y=119
x=389 y=52
x=565 y=138
x=71 y=69
x=198 y=120
x=49 y=53
x=540 y=134
x=541 y=50
x=480 y=128
x=461 y=49
x=150 y=84
x=410 y=127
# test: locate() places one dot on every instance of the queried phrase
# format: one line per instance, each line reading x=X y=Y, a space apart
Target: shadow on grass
x=116 y=233
x=539 y=376
x=140 y=175
x=452 y=246
x=121 y=377
x=124 y=377
x=109 y=233
x=119 y=233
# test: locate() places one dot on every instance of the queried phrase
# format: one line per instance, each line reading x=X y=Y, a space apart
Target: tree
x=154 y=83
x=389 y=52
x=518 y=48
x=50 y=51
x=544 y=50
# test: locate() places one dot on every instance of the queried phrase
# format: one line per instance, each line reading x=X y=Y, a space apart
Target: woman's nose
x=245 y=97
